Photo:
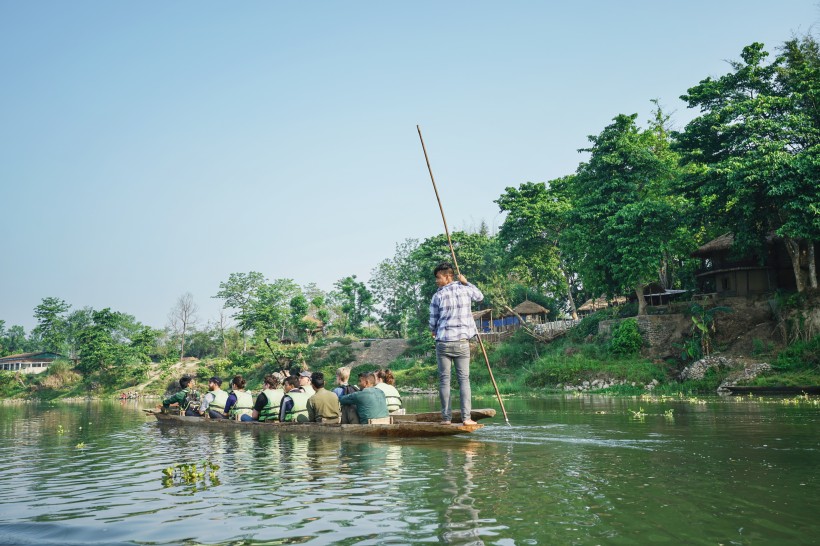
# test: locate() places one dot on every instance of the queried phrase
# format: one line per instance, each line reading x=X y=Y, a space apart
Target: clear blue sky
x=148 y=149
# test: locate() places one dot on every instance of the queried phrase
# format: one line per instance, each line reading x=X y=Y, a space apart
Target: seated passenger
x=184 y=398
x=294 y=403
x=323 y=407
x=269 y=400
x=213 y=403
x=304 y=383
x=342 y=377
x=386 y=383
x=239 y=405
x=370 y=402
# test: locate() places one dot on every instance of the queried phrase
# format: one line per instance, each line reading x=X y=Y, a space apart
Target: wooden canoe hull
x=773 y=390
x=396 y=430
x=435 y=416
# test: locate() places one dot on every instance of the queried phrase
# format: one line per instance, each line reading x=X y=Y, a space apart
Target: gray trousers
x=447 y=354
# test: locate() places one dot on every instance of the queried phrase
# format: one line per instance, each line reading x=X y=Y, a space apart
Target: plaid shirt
x=450 y=316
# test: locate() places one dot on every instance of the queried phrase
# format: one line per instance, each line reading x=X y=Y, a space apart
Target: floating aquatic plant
x=202 y=473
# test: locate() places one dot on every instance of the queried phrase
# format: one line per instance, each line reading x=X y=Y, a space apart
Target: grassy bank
x=520 y=365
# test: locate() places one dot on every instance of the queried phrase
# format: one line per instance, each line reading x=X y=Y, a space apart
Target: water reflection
x=569 y=471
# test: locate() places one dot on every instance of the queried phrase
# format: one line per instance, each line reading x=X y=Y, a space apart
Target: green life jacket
x=243 y=405
x=391 y=395
x=299 y=412
x=191 y=399
x=220 y=399
x=271 y=410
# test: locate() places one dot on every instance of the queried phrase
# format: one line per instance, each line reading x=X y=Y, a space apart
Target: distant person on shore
x=323 y=407
x=183 y=398
x=370 y=402
x=294 y=403
x=239 y=405
x=452 y=326
x=386 y=383
x=213 y=403
x=269 y=400
x=304 y=382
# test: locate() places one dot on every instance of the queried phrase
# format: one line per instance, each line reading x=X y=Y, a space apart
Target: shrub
x=626 y=339
x=801 y=355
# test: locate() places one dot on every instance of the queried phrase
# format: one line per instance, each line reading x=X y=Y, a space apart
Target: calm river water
x=571 y=470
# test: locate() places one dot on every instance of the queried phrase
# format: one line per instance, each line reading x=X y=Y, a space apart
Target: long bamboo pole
x=458 y=272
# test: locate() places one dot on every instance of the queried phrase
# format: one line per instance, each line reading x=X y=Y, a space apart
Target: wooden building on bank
x=723 y=273
x=28 y=362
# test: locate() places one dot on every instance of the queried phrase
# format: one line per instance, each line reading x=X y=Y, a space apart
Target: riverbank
x=605 y=353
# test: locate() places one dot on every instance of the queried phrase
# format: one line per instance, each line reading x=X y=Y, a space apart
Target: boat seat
x=380 y=421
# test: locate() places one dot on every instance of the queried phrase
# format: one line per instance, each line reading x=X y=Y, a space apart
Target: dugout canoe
x=772 y=390
x=435 y=416
x=399 y=429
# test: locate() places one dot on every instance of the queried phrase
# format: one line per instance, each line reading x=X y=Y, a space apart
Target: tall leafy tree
x=355 y=302
x=240 y=292
x=624 y=221
x=395 y=289
x=51 y=324
x=115 y=347
x=799 y=77
x=270 y=313
x=537 y=215
x=754 y=149
x=13 y=340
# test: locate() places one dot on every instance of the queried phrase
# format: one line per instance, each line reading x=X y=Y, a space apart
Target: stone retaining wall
x=659 y=332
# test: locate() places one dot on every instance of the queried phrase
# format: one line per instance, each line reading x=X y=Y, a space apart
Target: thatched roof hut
x=528 y=307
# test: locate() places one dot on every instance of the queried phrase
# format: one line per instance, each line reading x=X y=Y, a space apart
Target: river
x=570 y=470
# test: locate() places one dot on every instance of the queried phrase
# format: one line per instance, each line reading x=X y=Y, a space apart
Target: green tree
x=75 y=323
x=625 y=221
x=270 y=313
x=537 y=215
x=754 y=150
x=51 y=324
x=396 y=289
x=13 y=340
x=240 y=292
x=115 y=347
x=355 y=302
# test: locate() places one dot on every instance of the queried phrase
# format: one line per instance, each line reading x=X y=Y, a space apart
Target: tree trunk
x=793 y=248
x=182 y=347
x=812 y=266
x=573 y=310
x=641 y=300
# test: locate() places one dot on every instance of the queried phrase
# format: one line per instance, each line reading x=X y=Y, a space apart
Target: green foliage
x=355 y=302
x=335 y=357
x=51 y=324
x=626 y=338
x=754 y=147
x=537 y=214
x=626 y=219
x=575 y=367
x=703 y=328
x=800 y=356
x=589 y=325
x=761 y=347
x=239 y=292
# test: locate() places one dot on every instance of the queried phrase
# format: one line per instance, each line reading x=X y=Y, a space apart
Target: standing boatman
x=452 y=326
